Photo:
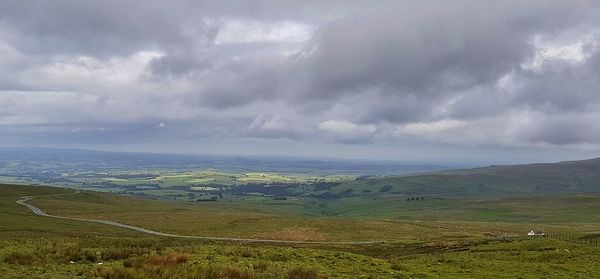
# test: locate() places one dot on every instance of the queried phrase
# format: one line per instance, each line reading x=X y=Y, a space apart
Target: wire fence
x=590 y=239
x=587 y=240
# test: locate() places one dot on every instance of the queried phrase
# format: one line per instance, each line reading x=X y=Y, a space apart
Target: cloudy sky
x=489 y=81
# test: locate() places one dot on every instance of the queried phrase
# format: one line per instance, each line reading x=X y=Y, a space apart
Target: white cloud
x=249 y=31
x=346 y=131
x=517 y=128
x=433 y=128
x=275 y=126
x=571 y=50
x=116 y=71
x=505 y=130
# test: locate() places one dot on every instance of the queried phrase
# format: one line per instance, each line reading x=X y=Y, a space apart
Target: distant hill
x=540 y=178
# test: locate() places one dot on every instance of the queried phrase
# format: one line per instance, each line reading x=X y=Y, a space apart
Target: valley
x=445 y=224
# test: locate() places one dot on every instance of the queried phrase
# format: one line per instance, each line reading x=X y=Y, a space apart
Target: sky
x=432 y=81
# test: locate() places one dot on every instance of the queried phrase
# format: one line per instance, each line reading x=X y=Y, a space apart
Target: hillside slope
x=540 y=178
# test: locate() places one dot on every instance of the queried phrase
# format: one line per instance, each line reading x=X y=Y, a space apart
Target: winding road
x=38 y=211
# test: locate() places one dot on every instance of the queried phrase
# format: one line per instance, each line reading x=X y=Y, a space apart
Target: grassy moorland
x=387 y=218
x=532 y=209
x=420 y=247
x=18 y=221
x=284 y=220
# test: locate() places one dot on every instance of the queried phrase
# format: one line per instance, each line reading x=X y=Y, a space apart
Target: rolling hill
x=540 y=178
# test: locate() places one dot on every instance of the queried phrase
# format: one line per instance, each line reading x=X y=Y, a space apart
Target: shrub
x=21 y=258
x=242 y=252
x=397 y=265
x=386 y=188
x=346 y=192
x=123 y=253
x=77 y=255
x=176 y=271
x=279 y=257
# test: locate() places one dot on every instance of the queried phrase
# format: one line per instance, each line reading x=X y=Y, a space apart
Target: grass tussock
x=397 y=265
x=62 y=254
x=170 y=259
x=302 y=273
x=176 y=270
x=243 y=252
x=21 y=258
x=121 y=253
x=229 y=273
x=50 y=254
x=177 y=265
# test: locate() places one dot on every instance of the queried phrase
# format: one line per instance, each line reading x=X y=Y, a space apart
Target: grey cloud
x=422 y=47
x=369 y=68
x=251 y=78
x=562 y=86
x=87 y=27
x=568 y=129
x=427 y=49
x=115 y=27
x=177 y=65
x=556 y=87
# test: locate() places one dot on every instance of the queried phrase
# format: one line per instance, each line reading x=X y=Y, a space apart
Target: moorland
x=469 y=223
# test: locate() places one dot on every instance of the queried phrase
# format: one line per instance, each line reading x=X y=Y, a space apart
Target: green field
x=202 y=178
x=495 y=182
x=445 y=238
x=196 y=185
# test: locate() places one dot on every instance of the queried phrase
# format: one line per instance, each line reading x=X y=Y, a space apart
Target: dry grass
x=298 y=234
x=121 y=253
x=301 y=273
x=175 y=265
x=166 y=260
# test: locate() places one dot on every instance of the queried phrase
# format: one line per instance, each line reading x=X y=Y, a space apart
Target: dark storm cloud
x=429 y=50
x=91 y=27
x=364 y=72
x=115 y=27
